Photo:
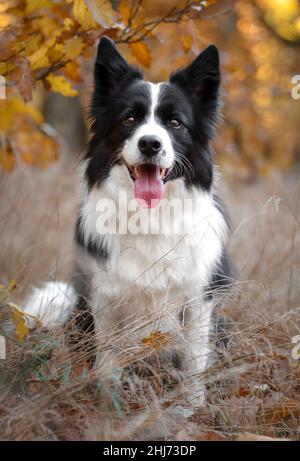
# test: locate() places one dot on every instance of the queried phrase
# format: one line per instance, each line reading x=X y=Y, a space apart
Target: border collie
x=141 y=268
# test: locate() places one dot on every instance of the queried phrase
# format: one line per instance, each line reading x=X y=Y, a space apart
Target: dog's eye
x=175 y=123
x=129 y=121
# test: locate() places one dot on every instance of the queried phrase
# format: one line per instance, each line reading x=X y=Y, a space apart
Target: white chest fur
x=158 y=264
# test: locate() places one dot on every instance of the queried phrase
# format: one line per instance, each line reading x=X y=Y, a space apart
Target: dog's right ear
x=110 y=67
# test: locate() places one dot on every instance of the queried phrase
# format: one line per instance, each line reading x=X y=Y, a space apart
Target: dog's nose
x=150 y=145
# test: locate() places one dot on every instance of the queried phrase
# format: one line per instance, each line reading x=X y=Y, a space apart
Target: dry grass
x=48 y=390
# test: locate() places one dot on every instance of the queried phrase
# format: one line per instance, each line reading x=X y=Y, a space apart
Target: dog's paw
x=50 y=306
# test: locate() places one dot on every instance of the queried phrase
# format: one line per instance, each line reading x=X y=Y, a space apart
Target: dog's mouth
x=149 y=182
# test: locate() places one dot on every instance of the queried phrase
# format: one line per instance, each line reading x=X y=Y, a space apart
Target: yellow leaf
x=5 y=20
x=156 y=339
x=49 y=27
x=124 y=10
x=141 y=52
x=186 y=42
x=103 y=12
x=82 y=14
x=60 y=85
x=6 y=67
x=39 y=58
x=73 y=47
x=30 y=45
x=68 y=24
x=34 y=5
x=18 y=319
x=72 y=70
x=11 y=107
x=55 y=53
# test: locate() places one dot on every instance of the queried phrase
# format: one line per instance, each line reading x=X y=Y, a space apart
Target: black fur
x=191 y=95
x=97 y=250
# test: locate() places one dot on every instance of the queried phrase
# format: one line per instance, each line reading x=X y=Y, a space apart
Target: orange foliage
x=45 y=44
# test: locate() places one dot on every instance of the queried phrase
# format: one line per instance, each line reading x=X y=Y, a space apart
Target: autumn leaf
x=47 y=26
x=68 y=24
x=55 y=53
x=39 y=58
x=34 y=5
x=156 y=339
x=72 y=70
x=18 y=319
x=141 y=52
x=5 y=20
x=12 y=106
x=124 y=10
x=103 y=12
x=60 y=85
x=186 y=42
x=73 y=47
x=29 y=45
x=6 y=67
x=82 y=14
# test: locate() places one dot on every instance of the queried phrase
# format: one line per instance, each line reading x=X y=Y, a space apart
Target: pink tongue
x=148 y=187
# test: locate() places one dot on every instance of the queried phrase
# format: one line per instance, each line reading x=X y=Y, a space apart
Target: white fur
x=154 y=276
x=149 y=282
x=50 y=305
x=131 y=152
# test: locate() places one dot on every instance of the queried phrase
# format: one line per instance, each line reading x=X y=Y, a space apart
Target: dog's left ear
x=202 y=77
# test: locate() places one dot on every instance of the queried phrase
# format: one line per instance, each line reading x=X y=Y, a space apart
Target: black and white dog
x=137 y=263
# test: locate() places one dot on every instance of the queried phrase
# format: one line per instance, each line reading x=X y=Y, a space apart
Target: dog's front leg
x=197 y=332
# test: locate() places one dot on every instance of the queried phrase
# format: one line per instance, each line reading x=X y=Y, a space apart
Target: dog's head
x=158 y=132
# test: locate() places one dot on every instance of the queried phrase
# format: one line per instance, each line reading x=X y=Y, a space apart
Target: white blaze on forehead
x=150 y=126
x=154 y=92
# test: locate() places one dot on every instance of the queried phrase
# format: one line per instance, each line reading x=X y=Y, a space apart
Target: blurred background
x=47 y=54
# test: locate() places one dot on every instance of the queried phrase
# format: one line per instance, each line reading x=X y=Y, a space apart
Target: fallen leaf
x=156 y=339
x=18 y=319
